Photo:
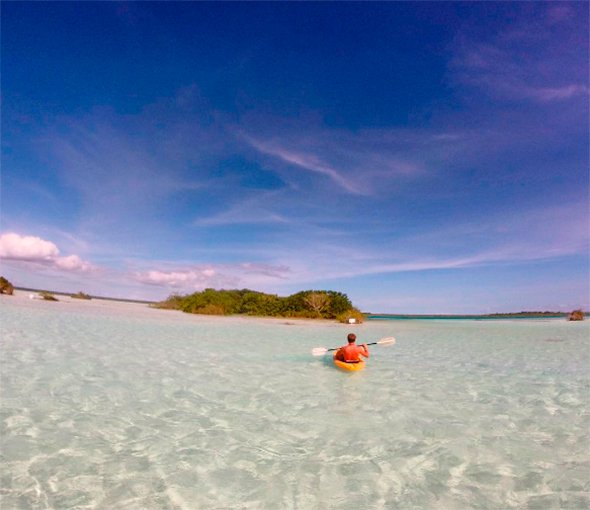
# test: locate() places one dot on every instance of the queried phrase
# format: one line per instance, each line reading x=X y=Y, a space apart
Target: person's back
x=352 y=353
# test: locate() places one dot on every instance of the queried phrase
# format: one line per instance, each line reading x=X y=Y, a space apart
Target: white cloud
x=34 y=249
x=180 y=278
x=73 y=263
x=16 y=247
x=246 y=274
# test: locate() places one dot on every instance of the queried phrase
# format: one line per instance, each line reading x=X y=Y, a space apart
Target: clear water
x=118 y=406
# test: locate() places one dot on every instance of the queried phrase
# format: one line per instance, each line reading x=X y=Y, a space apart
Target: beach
x=112 y=405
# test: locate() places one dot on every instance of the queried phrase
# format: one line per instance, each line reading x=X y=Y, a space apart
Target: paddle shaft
x=336 y=348
x=320 y=351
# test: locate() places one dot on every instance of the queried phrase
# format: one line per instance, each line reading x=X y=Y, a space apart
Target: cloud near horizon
x=32 y=249
x=192 y=278
x=177 y=279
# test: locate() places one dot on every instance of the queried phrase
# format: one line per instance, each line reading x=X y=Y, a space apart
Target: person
x=352 y=353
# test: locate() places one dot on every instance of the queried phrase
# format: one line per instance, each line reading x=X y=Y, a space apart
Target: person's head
x=351 y=338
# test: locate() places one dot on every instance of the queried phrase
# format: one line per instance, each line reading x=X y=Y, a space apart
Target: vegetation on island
x=576 y=315
x=527 y=314
x=353 y=315
x=311 y=304
x=6 y=287
x=81 y=295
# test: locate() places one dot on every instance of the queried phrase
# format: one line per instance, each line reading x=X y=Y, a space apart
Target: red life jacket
x=351 y=353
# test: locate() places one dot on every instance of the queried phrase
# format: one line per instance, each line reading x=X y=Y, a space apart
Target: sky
x=419 y=157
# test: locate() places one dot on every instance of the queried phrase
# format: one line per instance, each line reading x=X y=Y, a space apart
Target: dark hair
x=351 y=338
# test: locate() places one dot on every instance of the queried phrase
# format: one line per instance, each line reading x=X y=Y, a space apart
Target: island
x=47 y=296
x=81 y=295
x=509 y=315
x=576 y=315
x=308 y=304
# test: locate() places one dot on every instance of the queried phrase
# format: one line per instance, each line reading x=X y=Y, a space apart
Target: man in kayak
x=352 y=353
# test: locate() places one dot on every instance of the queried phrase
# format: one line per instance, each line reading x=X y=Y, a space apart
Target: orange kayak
x=351 y=367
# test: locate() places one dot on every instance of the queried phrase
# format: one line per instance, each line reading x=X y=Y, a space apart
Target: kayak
x=351 y=367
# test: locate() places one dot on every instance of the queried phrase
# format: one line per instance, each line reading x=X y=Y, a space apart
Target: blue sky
x=420 y=157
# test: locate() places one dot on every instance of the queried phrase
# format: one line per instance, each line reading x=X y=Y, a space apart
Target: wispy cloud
x=128 y=167
x=358 y=162
x=559 y=93
x=542 y=234
x=111 y=170
x=265 y=270
x=534 y=58
x=318 y=256
x=258 y=209
x=308 y=162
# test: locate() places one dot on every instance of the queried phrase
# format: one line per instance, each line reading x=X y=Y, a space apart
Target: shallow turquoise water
x=117 y=406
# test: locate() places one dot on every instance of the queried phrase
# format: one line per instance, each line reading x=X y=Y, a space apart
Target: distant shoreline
x=69 y=294
x=497 y=316
x=368 y=316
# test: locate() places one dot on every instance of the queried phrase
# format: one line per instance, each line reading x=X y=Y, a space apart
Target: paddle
x=320 y=351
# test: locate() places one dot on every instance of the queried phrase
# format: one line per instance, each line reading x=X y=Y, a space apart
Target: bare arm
x=364 y=351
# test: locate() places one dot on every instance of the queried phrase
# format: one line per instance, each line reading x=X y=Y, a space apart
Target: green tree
x=339 y=303
x=318 y=302
x=309 y=303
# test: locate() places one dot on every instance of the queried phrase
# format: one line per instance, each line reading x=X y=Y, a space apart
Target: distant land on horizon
x=508 y=315
x=369 y=315
x=106 y=298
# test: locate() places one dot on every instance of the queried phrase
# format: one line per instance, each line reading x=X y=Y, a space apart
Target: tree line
x=325 y=304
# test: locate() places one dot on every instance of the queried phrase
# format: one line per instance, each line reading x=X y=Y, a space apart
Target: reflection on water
x=112 y=405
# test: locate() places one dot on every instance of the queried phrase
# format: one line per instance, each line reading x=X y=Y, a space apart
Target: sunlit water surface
x=119 y=406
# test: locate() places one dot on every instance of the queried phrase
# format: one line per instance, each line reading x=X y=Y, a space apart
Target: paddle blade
x=319 y=351
x=386 y=341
